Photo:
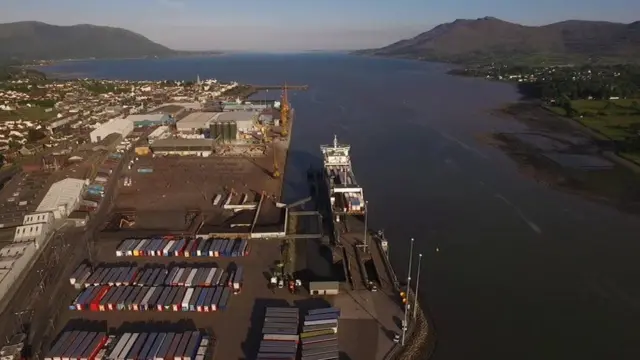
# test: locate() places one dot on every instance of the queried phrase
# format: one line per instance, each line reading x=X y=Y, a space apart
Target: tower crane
x=276 y=169
x=284 y=110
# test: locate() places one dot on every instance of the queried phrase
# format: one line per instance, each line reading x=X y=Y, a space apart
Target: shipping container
x=317 y=339
x=331 y=310
x=328 y=356
x=333 y=316
x=320 y=345
x=334 y=327
x=94 y=347
x=192 y=347
x=273 y=343
x=155 y=348
x=194 y=299
x=278 y=350
x=166 y=346
x=177 y=302
x=127 y=348
x=218 y=277
x=120 y=345
x=281 y=319
x=73 y=347
x=56 y=349
x=224 y=299
x=210 y=274
x=332 y=322
x=174 y=346
x=137 y=346
x=206 y=305
x=181 y=346
x=283 y=331
x=192 y=274
x=167 y=300
x=187 y=298
x=237 y=278
x=144 y=351
x=216 y=298
x=275 y=357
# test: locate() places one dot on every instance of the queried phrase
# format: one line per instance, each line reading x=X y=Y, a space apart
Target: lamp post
x=406 y=305
x=366 y=224
x=415 y=301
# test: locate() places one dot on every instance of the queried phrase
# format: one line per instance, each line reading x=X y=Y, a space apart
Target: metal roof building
x=122 y=127
x=148 y=119
x=62 y=198
x=244 y=119
x=14 y=259
x=195 y=121
x=184 y=147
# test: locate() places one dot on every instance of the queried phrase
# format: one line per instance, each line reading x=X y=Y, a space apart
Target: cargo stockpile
x=183 y=247
x=84 y=277
x=319 y=334
x=85 y=345
x=152 y=298
x=280 y=334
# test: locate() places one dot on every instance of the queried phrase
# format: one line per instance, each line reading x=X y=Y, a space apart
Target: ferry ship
x=345 y=195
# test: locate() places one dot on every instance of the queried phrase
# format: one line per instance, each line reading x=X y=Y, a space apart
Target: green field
x=35 y=114
x=615 y=119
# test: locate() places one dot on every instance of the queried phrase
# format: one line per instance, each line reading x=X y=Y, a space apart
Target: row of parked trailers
x=184 y=247
x=155 y=298
x=319 y=334
x=77 y=345
x=83 y=277
x=190 y=345
x=83 y=345
x=280 y=334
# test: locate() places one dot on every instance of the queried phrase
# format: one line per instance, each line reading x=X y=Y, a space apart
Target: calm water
x=523 y=272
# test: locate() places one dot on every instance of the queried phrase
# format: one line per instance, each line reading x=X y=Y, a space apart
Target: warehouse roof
x=115 y=126
x=63 y=193
x=148 y=117
x=196 y=120
x=185 y=144
x=235 y=116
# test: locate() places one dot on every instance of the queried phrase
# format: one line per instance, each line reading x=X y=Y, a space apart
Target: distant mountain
x=31 y=40
x=488 y=39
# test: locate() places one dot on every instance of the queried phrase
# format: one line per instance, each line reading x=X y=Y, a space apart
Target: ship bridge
x=336 y=154
x=345 y=193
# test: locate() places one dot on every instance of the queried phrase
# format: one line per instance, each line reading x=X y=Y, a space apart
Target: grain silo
x=233 y=130
x=219 y=130
x=213 y=131
x=226 y=130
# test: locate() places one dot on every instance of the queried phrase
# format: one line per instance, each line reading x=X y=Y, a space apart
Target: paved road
x=39 y=298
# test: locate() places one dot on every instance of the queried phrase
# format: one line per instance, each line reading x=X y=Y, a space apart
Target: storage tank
x=233 y=131
x=212 y=131
x=226 y=130
x=219 y=130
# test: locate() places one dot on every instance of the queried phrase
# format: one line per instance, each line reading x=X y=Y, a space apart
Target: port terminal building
x=223 y=126
x=18 y=252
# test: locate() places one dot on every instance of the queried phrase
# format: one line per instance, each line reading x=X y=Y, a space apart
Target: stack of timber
x=280 y=334
x=320 y=334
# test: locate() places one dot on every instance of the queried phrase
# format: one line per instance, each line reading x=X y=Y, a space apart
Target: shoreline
x=575 y=124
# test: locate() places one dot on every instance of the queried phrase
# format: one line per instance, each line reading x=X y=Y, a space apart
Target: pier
x=280 y=87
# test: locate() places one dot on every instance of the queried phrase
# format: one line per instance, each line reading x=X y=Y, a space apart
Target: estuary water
x=522 y=271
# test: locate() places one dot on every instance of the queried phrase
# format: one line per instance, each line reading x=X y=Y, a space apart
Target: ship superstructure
x=345 y=194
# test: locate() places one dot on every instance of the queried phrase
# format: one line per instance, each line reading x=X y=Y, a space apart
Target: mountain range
x=32 y=40
x=490 y=39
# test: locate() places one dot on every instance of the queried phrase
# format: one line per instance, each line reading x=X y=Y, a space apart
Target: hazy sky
x=300 y=24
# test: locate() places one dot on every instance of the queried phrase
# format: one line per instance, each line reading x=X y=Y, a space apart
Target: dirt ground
x=193 y=183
